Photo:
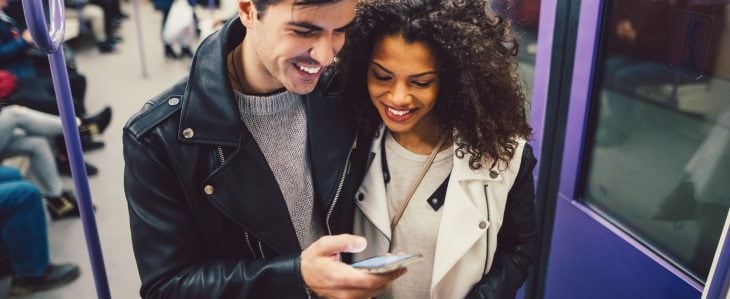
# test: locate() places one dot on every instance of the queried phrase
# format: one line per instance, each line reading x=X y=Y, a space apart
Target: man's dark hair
x=262 y=5
x=480 y=97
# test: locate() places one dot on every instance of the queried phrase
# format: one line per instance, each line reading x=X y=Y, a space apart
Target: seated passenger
x=24 y=234
x=435 y=85
x=93 y=17
x=26 y=132
x=112 y=16
x=34 y=88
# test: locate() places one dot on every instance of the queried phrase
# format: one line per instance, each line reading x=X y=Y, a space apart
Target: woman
x=450 y=176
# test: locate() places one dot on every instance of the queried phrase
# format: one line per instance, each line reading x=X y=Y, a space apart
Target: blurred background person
x=24 y=236
x=26 y=132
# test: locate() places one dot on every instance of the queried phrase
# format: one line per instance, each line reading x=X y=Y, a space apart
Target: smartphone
x=386 y=263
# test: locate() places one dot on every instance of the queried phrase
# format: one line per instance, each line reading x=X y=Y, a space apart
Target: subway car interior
x=628 y=100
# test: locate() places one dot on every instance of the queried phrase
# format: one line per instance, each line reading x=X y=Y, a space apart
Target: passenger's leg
x=23 y=225
x=9 y=174
x=24 y=230
x=169 y=52
x=35 y=123
x=42 y=161
x=7 y=127
x=61 y=204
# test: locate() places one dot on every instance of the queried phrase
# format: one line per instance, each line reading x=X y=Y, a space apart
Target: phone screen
x=386 y=262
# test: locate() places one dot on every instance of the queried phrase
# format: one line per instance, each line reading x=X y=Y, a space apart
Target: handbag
x=8 y=83
x=180 y=24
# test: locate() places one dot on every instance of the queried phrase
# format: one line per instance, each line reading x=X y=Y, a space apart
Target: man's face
x=293 y=43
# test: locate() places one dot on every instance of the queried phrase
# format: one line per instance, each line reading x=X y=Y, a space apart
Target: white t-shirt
x=417 y=230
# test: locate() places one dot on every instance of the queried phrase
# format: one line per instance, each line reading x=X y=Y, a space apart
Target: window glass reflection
x=660 y=157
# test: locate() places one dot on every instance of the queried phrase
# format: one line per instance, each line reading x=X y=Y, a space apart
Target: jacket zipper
x=345 y=171
x=220 y=155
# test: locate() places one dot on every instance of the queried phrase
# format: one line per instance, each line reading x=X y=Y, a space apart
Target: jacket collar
x=461 y=170
x=373 y=188
x=209 y=108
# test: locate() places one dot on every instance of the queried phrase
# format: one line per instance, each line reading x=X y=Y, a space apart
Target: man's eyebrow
x=306 y=25
x=412 y=76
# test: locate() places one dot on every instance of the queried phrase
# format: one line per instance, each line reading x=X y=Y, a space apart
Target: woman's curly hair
x=480 y=99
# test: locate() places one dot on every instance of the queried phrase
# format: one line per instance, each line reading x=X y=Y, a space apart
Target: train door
x=643 y=186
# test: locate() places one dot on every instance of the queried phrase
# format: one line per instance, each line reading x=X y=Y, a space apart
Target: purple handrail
x=50 y=42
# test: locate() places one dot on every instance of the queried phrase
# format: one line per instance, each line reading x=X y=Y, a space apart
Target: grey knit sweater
x=278 y=123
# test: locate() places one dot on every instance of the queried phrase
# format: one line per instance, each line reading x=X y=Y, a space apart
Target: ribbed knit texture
x=278 y=123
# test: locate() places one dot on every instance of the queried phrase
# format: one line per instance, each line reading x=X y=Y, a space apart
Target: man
x=233 y=175
x=25 y=237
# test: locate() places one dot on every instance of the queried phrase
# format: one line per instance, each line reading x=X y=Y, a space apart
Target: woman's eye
x=422 y=84
x=380 y=78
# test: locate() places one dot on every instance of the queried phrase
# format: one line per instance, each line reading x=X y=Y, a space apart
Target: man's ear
x=246 y=12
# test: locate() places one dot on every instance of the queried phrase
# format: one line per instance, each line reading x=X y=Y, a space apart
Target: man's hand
x=326 y=276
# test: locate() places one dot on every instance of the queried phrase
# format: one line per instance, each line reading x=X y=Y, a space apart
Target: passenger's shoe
x=96 y=124
x=64 y=167
x=106 y=47
x=186 y=52
x=62 y=207
x=170 y=53
x=54 y=276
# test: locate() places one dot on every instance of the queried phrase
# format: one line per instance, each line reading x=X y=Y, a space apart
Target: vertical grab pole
x=138 y=25
x=50 y=42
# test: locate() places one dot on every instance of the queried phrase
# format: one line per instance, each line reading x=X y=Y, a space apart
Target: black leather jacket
x=207 y=217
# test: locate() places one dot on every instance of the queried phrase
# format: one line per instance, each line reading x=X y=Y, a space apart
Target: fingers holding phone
x=328 y=277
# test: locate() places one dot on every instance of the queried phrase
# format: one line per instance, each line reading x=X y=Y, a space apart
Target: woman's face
x=403 y=85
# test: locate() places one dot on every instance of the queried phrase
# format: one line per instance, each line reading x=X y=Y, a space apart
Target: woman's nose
x=399 y=95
